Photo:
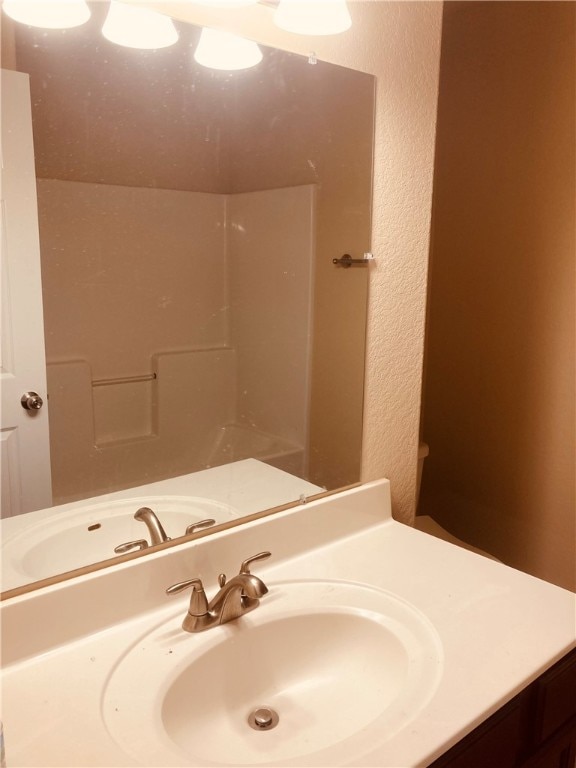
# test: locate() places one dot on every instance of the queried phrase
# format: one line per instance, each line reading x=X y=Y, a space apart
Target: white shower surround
x=251 y=367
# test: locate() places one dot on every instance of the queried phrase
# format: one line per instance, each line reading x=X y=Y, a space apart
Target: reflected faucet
x=194 y=527
x=235 y=598
x=157 y=534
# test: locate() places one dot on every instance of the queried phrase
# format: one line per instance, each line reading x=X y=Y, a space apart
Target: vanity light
x=218 y=49
x=226 y=3
x=313 y=17
x=47 y=14
x=136 y=27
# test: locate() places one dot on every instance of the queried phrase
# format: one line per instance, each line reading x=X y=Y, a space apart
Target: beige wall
x=130 y=116
x=399 y=43
x=500 y=389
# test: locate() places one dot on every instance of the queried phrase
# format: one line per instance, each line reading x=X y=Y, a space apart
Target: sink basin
x=342 y=667
x=86 y=534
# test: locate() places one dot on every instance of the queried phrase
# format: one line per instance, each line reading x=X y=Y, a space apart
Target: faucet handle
x=198 y=601
x=182 y=585
x=199 y=525
x=245 y=567
x=131 y=545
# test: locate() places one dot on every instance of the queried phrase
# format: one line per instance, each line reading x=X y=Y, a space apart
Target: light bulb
x=313 y=17
x=223 y=50
x=136 y=27
x=61 y=14
x=226 y=3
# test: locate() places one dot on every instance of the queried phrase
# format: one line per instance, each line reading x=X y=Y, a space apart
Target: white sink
x=85 y=534
x=344 y=666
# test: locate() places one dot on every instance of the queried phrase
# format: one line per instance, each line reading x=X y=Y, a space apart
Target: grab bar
x=124 y=380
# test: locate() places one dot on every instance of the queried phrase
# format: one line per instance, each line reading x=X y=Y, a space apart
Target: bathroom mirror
x=201 y=345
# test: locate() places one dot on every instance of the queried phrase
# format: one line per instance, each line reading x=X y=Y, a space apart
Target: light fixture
x=226 y=3
x=223 y=50
x=136 y=27
x=61 y=14
x=313 y=17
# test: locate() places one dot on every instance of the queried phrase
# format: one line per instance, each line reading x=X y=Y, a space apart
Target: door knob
x=31 y=401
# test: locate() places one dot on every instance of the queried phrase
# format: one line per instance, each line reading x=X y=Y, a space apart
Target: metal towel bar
x=347 y=260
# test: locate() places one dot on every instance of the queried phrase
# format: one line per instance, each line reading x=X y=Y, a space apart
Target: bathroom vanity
x=375 y=645
x=537 y=729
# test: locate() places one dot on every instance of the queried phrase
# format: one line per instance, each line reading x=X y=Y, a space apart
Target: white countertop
x=499 y=629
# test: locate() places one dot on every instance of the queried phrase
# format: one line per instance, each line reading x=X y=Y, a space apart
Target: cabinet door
x=556 y=698
x=494 y=744
x=558 y=752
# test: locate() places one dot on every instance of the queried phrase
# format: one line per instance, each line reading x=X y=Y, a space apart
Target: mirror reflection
x=204 y=356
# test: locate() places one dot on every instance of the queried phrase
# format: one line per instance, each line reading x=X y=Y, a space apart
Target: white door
x=25 y=457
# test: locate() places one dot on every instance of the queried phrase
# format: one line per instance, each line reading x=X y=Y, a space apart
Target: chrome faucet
x=157 y=534
x=235 y=598
x=194 y=527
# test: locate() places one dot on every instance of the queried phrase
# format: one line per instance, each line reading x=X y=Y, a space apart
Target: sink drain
x=263 y=719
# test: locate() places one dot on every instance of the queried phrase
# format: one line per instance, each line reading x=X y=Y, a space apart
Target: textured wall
x=399 y=43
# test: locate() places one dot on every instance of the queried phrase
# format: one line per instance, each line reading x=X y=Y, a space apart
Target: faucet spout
x=157 y=533
x=237 y=596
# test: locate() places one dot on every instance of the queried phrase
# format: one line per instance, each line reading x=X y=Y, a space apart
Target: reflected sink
x=85 y=534
x=343 y=666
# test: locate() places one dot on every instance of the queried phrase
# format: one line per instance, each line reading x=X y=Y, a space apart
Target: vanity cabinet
x=537 y=729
